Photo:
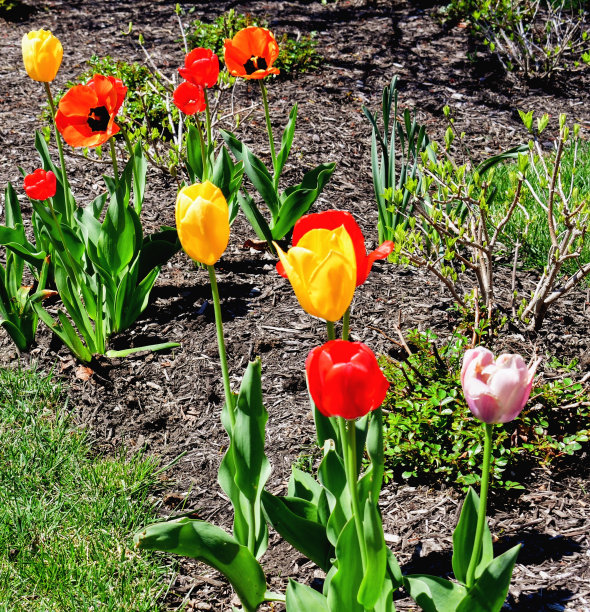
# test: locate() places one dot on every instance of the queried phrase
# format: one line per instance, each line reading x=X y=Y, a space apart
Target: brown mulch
x=169 y=404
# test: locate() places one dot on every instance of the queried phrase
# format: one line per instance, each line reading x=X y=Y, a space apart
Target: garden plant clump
x=265 y=222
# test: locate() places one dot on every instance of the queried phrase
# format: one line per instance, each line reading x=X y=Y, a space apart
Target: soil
x=169 y=404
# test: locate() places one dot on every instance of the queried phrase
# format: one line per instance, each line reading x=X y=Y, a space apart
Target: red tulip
x=331 y=219
x=344 y=379
x=40 y=185
x=201 y=67
x=189 y=98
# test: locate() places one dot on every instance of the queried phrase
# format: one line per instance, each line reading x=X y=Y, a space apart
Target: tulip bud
x=322 y=272
x=496 y=390
x=344 y=379
x=40 y=185
x=202 y=221
x=42 y=54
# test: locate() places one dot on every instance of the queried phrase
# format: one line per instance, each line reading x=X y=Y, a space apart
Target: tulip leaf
x=157 y=249
x=12 y=207
x=434 y=594
x=489 y=592
x=286 y=142
x=324 y=426
x=464 y=538
x=376 y=452
x=257 y=221
x=332 y=475
x=303 y=486
x=194 y=159
x=297 y=200
x=213 y=546
x=301 y=598
x=296 y=520
x=344 y=585
x=15 y=333
x=138 y=165
x=374 y=575
x=244 y=469
x=228 y=177
x=117 y=242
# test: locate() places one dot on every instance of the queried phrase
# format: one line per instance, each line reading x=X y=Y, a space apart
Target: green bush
x=430 y=435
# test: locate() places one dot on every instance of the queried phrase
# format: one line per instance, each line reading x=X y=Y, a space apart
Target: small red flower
x=40 y=185
x=189 y=98
x=331 y=219
x=344 y=379
x=201 y=67
x=86 y=113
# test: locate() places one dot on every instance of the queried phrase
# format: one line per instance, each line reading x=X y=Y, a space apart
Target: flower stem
x=269 y=130
x=346 y=324
x=229 y=398
x=208 y=115
x=204 y=159
x=114 y=158
x=331 y=331
x=60 y=149
x=348 y=436
x=483 y=502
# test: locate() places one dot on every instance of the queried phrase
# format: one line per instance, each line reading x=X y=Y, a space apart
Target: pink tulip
x=496 y=390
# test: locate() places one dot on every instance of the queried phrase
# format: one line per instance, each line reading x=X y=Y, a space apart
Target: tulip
x=40 y=185
x=332 y=219
x=86 y=113
x=344 y=379
x=202 y=221
x=496 y=390
x=189 y=98
x=201 y=67
x=322 y=272
x=42 y=54
x=251 y=53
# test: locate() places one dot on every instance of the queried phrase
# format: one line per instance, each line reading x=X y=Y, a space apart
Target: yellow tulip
x=322 y=272
x=202 y=221
x=42 y=53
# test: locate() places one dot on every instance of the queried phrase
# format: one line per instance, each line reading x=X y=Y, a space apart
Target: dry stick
x=398 y=330
x=513 y=279
x=476 y=322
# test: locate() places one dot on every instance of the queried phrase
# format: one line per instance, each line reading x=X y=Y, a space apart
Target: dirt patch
x=169 y=404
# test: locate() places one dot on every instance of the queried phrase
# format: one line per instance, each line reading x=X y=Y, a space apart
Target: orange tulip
x=251 y=53
x=86 y=113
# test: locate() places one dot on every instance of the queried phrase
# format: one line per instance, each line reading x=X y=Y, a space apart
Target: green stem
x=346 y=324
x=331 y=330
x=203 y=149
x=114 y=158
x=229 y=398
x=60 y=149
x=208 y=115
x=483 y=502
x=269 y=130
x=348 y=436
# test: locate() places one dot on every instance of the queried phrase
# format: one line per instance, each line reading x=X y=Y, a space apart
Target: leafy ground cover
x=169 y=404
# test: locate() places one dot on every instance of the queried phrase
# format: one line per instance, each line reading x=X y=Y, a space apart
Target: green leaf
x=212 y=545
x=157 y=249
x=434 y=594
x=194 y=160
x=464 y=537
x=296 y=520
x=286 y=142
x=303 y=486
x=301 y=598
x=139 y=170
x=489 y=592
x=12 y=207
x=372 y=584
x=15 y=333
x=344 y=585
x=254 y=216
x=297 y=200
x=117 y=242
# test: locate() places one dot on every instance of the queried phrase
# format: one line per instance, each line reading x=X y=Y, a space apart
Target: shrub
x=431 y=436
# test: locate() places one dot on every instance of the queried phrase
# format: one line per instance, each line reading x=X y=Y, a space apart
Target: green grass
x=66 y=517
x=536 y=243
